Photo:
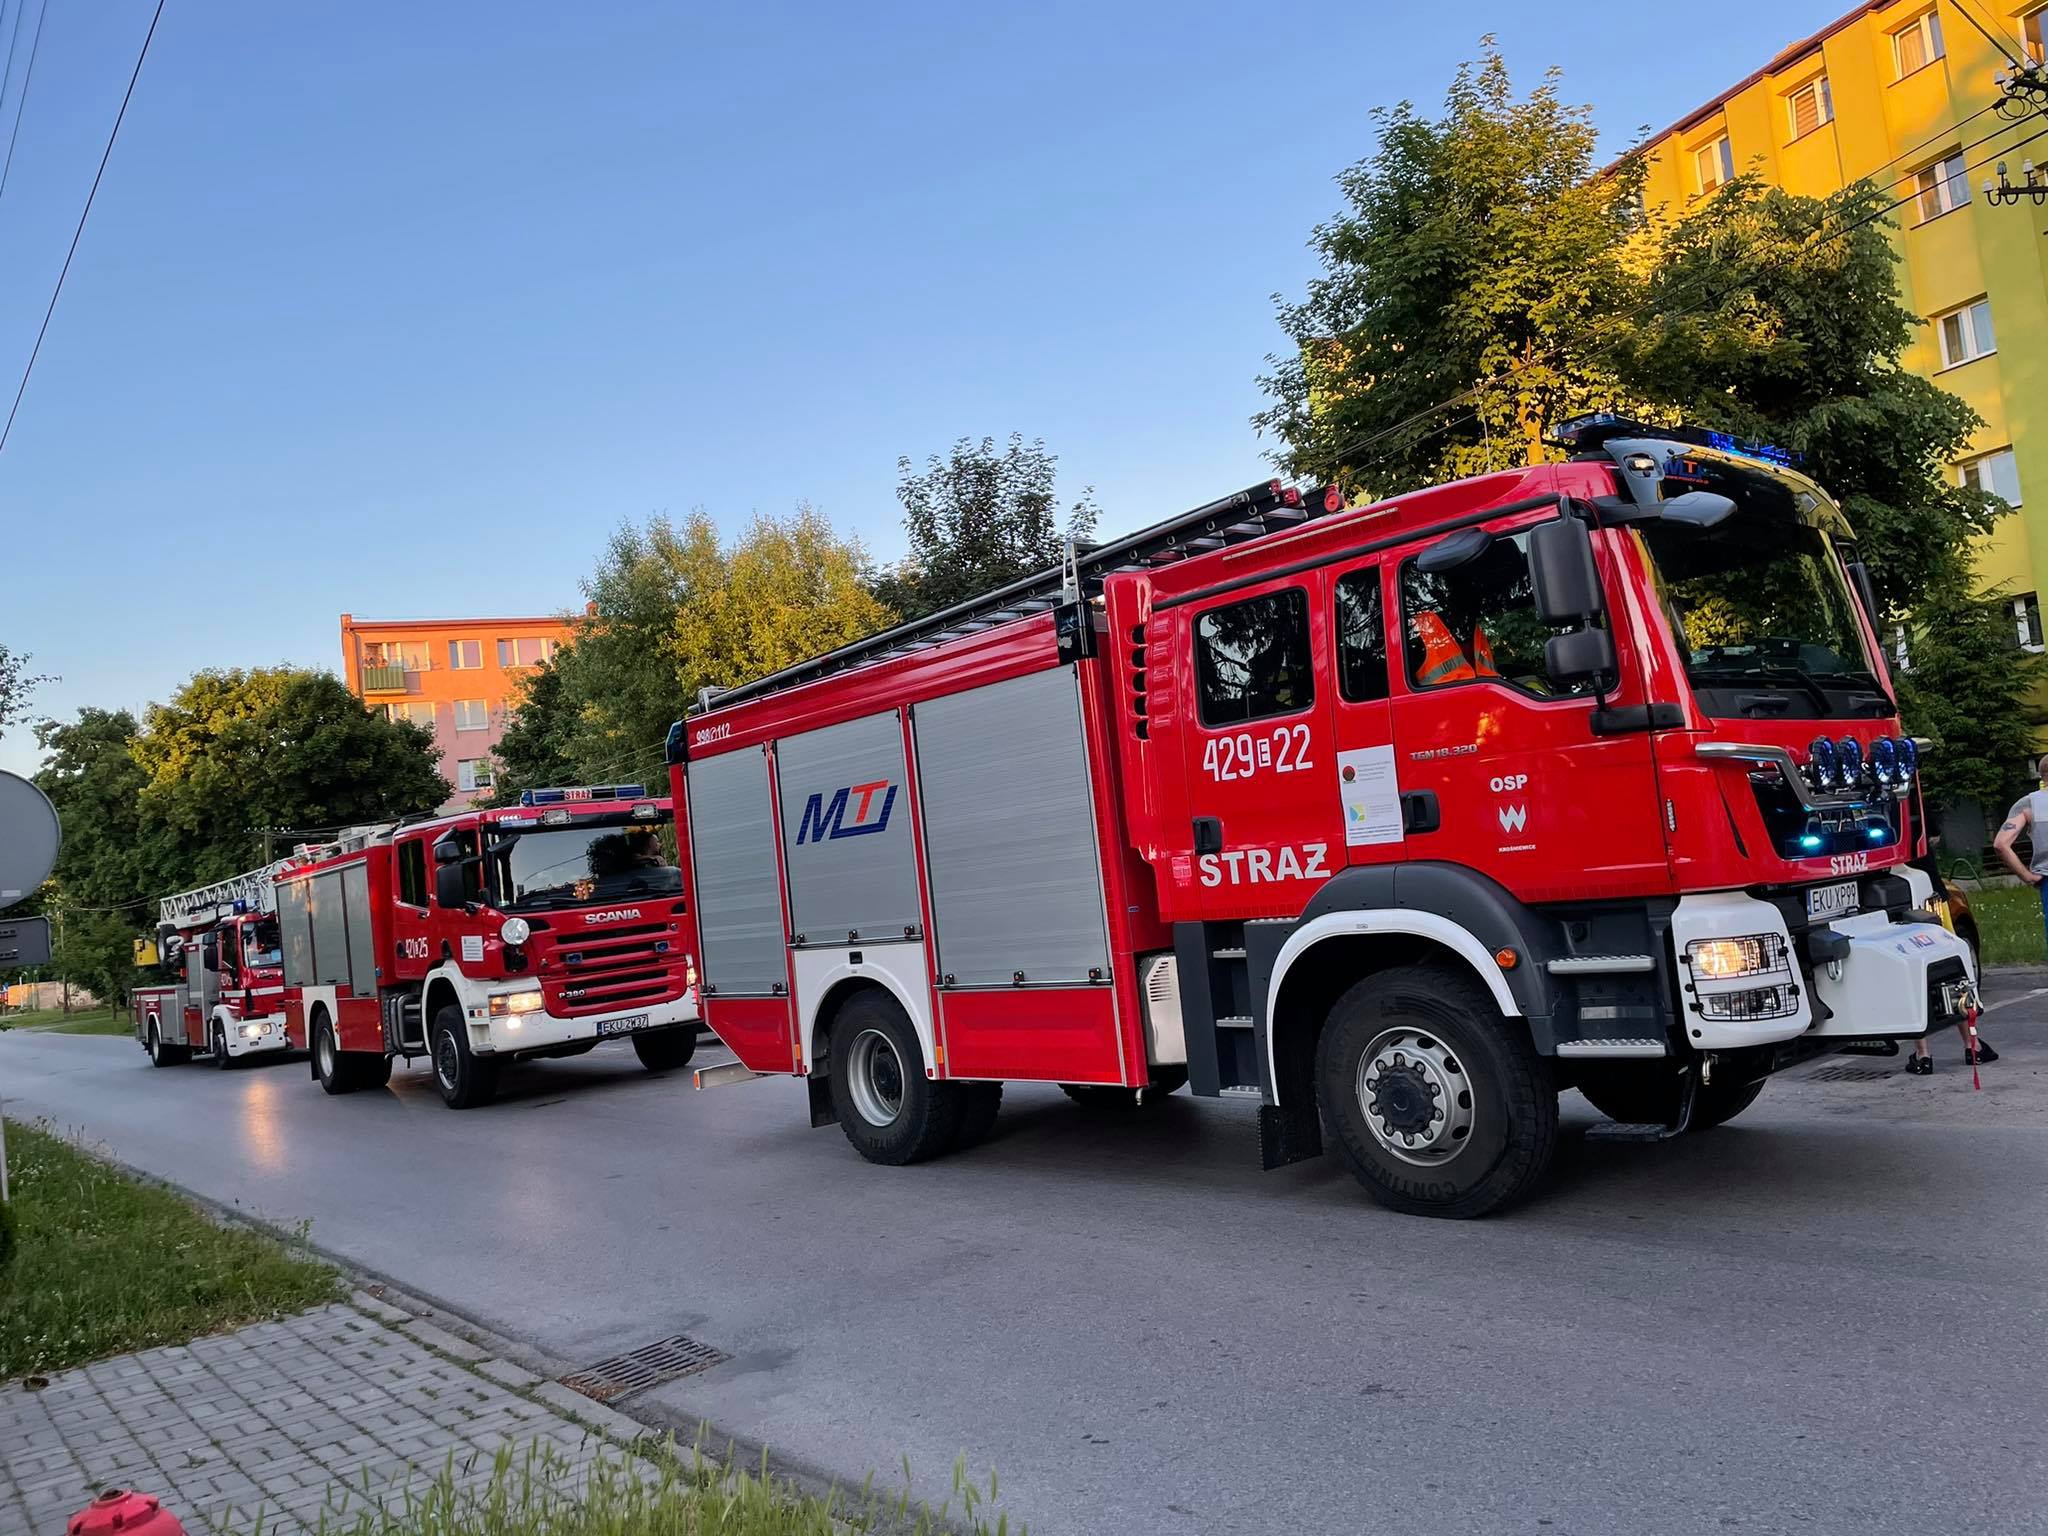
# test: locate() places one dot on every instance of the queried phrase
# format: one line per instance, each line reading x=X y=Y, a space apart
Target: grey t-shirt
x=2035 y=804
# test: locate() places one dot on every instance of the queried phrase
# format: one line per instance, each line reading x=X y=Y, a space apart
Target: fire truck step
x=1235 y=1021
x=1625 y=1048
x=1614 y=1130
x=1234 y=952
x=1601 y=965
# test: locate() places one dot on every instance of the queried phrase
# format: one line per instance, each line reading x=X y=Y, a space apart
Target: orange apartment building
x=460 y=678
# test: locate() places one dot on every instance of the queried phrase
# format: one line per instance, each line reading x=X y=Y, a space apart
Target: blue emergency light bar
x=1589 y=432
x=592 y=792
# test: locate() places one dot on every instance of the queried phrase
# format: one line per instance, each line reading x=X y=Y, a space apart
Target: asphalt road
x=1826 y=1317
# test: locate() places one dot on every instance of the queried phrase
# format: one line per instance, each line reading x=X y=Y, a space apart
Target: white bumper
x=537 y=1030
x=1880 y=988
x=257 y=1036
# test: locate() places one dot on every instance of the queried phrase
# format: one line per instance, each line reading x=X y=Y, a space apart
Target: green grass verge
x=542 y=1492
x=2009 y=925
x=96 y=1021
x=103 y=1264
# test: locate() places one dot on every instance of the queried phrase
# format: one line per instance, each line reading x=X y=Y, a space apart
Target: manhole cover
x=648 y=1366
x=1849 y=1075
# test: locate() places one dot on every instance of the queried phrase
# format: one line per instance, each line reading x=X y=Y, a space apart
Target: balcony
x=384 y=679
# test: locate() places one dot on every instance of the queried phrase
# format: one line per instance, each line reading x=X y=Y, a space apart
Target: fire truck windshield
x=575 y=865
x=1762 y=611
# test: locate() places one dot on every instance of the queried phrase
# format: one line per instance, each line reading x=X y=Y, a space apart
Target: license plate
x=1826 y=901
x=625 y=1026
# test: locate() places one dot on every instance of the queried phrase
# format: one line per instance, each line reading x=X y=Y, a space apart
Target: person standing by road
x=2029 y=814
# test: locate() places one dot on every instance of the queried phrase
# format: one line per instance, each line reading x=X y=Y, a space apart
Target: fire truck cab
x=490 y=936
x=1398 y=819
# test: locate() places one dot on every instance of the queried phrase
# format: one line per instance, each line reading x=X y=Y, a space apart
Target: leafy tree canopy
x=979 y=517
x=17 y=685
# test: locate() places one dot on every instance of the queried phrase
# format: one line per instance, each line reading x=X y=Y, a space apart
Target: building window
x=2026 y=619
x=415 y=714
x=1998 y=473
x=412 y=655
x=1477 y=623
x=464 y=655
x=527 y=651
x=1714 y=164
x=2033 y=26
x=1965 y=333
x=1942 y=187
x=472 y=773
x=1361 y=638
x=472 y=715
x=1917 y=44
x=1810 y=106
x=1252 y=659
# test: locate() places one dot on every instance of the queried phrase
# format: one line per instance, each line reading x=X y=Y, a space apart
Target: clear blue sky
x=399 y=309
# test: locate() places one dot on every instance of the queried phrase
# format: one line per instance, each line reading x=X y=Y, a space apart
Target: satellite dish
x=29 y=835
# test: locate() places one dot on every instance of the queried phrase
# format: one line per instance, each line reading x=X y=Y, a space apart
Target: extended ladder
x=256 y=890
x=1237 y=518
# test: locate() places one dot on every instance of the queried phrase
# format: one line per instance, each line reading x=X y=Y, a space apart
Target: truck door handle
x=1419 y=812
x=1208 y=834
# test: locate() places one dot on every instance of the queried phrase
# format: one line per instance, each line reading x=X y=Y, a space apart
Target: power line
x=2010 y=57
x=13 y=40
x=84 y=213
x=35 y=46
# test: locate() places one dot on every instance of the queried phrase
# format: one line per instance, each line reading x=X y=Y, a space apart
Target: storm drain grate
x=648 y=1366
x=1849 y=1075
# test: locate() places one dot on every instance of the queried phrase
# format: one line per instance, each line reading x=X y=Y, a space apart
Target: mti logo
x=823 y=819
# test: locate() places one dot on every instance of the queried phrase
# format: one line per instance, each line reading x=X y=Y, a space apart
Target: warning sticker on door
x=1371 y=795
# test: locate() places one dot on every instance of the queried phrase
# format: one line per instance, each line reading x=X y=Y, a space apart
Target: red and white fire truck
x=223 y=987
x=1398 y=818
x=491 y=936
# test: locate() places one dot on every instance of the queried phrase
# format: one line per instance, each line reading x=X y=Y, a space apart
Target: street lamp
x=2031 y=185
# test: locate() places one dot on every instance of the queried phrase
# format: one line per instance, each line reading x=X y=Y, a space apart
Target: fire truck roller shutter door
x=362 y=942
x=739 y=898
x=846 y=833
x=1010 y=835
x=330 y=931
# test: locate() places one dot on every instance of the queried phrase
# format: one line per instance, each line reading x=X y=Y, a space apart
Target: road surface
x=1826 y=1317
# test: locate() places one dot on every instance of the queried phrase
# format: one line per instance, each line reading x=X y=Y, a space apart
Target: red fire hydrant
x=132 y=1514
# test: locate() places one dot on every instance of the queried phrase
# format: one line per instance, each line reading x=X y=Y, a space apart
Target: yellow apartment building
x=1902 y=93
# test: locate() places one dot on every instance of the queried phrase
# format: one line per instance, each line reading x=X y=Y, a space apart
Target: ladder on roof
x=1252 y=513
x=256 y=889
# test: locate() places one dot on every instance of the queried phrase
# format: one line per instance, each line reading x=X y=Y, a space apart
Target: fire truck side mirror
x=209 y=952
x=449 y=852
x=1584 y=655
x=1565 y=583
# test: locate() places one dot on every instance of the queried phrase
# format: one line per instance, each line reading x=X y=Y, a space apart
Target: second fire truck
x=491 y=936
x=1396 y=819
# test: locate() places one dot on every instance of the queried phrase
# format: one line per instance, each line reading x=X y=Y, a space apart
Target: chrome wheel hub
x=875 y=1078
x=1415 y=1096
x=447 y=1064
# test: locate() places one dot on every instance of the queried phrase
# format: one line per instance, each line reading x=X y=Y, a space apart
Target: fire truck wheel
x=979 y=1105
x=890 y=1111
x=160 y=1054
x=372 y=1071
x=665 y=1050
x=221 y=1059
x=1648 y=1097
x=1437 y=1104
x=328 y=1063
x=465 y=1081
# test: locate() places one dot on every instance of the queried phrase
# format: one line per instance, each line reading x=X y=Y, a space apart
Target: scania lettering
x=491 y=936
x=1396 y=819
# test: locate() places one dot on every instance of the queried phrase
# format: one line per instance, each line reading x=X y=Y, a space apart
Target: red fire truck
x=491 y=936
x=222 y=987
x=1397 y=818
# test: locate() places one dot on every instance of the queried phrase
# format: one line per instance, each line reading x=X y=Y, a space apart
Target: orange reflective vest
x=1482 y=654
x=1443 y=659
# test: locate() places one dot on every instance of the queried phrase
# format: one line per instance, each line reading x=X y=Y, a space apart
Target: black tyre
x=221 y=1060
x=1652 y=1095
x=161 y=1055
x=371 y=1071
x=1437 y=1104
x=466 y=1080
x=666 y=1050
x=329 y=1065
x=888 y=1108
x=979 y=1105
x=1165 y=1080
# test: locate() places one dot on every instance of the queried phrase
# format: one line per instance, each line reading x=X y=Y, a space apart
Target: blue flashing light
x=530 y=797
x=1849 y=752
x=1877 y=834
x=1769 y=452
x=1811 y=842
x=1909 y=758
x=1884 y=758
x=1820 y=758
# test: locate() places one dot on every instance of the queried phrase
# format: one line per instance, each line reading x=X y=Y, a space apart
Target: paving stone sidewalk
x=292 y=1420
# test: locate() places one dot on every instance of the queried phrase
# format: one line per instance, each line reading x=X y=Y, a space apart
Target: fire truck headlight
x=516 y=931
x=250 y=1031
x=1758 y=954
x=510 y=1005
x=1909 y=759
x=1884 y=759
x=1820 y=761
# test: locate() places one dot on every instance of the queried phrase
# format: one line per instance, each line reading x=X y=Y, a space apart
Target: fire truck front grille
x=612 y=969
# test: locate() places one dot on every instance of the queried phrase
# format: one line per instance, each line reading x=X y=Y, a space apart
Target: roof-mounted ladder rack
x=1252 y=513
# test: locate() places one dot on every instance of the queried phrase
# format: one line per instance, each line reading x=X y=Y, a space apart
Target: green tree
x=236 y=751
x=17 y=685
x=1965 y=692
x=1463 y=288
x=979 y=517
